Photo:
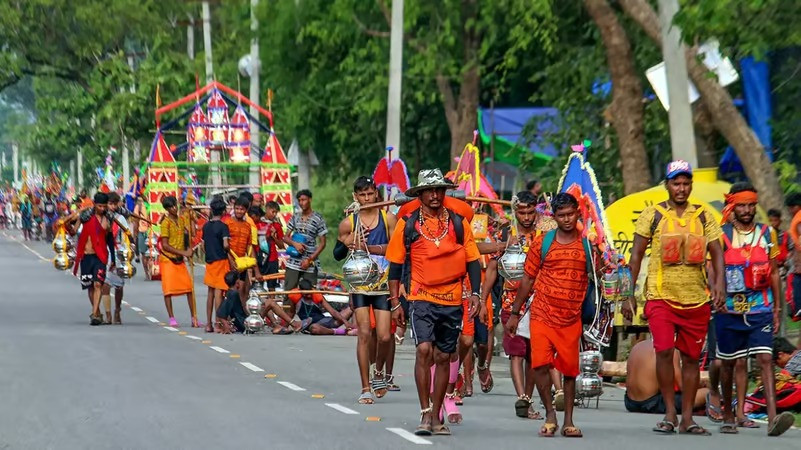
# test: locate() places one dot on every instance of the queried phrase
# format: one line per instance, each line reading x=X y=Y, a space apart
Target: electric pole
x=682 y=134
x=395 y=82
x=255 y=67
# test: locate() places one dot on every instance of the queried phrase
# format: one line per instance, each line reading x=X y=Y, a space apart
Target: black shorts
x=272 y=268
x=379 y=302
x=438 y=324
x=653 y=405
x=92 y=271
x=481 y=333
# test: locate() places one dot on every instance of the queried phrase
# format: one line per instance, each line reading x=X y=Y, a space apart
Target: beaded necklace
x=443 y=230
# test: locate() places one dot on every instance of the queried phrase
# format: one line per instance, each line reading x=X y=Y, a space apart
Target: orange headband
x=739 y=198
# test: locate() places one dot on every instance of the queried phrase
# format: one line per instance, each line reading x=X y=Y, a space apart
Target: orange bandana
x=740 y=198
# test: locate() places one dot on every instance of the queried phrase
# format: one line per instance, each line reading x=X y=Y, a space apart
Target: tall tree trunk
x=627 y=108
x=461 y=113
x=724 y=115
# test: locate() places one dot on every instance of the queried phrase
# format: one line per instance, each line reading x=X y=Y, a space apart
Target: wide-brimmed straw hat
x=429 y=179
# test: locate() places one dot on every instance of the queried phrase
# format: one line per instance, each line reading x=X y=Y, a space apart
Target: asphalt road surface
x=143 y=385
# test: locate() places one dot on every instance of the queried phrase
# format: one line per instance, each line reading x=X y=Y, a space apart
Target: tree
x=724 y=114
x=626 y=111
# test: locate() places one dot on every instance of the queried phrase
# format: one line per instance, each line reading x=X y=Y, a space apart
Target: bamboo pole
x=402 y=199
x=307 y=292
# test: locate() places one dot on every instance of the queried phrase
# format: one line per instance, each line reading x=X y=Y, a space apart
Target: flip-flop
x=534 y=415
x=440 y=430
x=391 y=386
x=488 y=383
x=713 y=412
x=747 y=423
x=571 y=432
x=695 y=430
x=548 y=429
x=728 y=428
x=173 y=322
x=424 y=429
x=366 y=398
x=781 y=423
x=665 y=427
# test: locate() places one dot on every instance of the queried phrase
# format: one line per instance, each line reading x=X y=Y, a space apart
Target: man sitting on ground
x=231 y=314
x=642 y=388
x=311 y=306
x=786 y=356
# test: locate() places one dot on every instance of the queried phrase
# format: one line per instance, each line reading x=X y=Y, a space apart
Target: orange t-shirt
x=241 y=235
x=428 y=262
x=560 y=282
x=454 y=204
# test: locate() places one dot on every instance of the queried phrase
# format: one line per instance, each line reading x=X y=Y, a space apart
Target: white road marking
x=291 y=386
x=218 y=349
x=136 y=309
x=252 y=367
x=341 y=408
x=125 y=303
x=409 y=436
x=171 y=328
x=194 y=338
x=152 y=319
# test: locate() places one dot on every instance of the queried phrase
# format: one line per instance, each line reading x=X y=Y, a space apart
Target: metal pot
x=152 y=253
x=512 y=264
x=61 y=244
x=124 y=254
x=253 y=305
x=126 y=270
x=590 y=362
x=589 y=385
x=257 y=288
x=62 y=261
x=254 y=323
x=360 y=270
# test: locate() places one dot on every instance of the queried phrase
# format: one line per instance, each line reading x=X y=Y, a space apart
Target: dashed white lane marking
x=125 y=303
x=291 y=386
x=252 y=367
x=341 y=408
x=409 y=436
x=136 y=309
x=29 y=249
x=171 y=328
x=194 y=338
x=152 y=319
x=218 y=349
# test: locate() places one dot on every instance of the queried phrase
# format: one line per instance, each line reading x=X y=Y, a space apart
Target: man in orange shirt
x=243 y=242
x=558 y=275
x=439 y=248
x=793 y=203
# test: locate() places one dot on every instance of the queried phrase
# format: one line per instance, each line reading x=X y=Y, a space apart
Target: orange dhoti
x=215 y=274
x=556 y=346
x=175 y=279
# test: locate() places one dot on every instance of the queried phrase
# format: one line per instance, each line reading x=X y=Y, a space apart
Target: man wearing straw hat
x=439 y=247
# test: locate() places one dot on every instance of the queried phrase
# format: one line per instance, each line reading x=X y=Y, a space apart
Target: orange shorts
x=469 y=326
x=556 y=346
x=392 y=326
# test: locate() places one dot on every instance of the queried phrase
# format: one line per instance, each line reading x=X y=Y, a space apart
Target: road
x=142 y=385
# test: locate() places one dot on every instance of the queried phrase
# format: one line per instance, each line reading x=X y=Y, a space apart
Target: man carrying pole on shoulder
x=439 y=247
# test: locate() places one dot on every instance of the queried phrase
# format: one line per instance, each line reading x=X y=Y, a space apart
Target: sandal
x=728 y=428
x=713 y=412
x=745 y=422
x=522 y=406
x=571 y=432
x=665 y=427
x=173 y=322
x=548 y=429
x=196 y=323
x=366 y=398
x=440 y=430
x=95 y=320
x=487 y=382
x=117 y=317
x=209 y=328
x=424 y=429
x=695 y=430
x=781 y=423
x=379 y=384
x=391 y=386
x=534 y=414
x=399 y=338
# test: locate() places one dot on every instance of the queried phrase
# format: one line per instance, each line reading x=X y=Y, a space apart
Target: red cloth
x=264 y=230
x=684 y=329
x=92 y=229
